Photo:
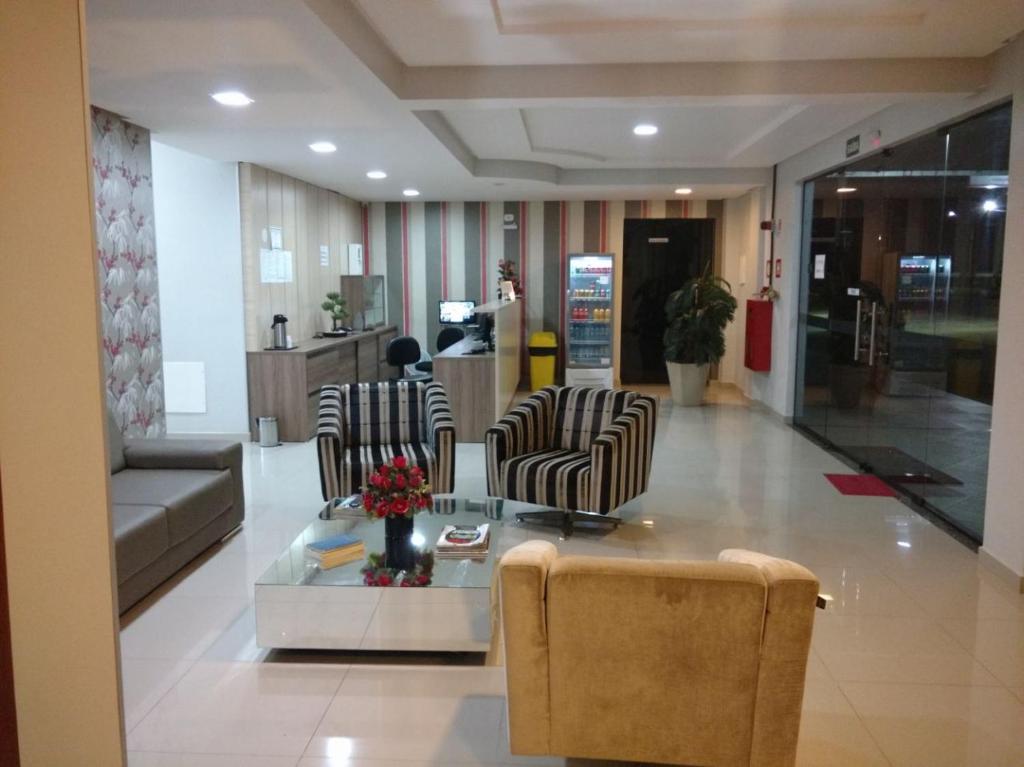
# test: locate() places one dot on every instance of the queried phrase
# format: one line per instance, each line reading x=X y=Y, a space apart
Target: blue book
x=334 y=543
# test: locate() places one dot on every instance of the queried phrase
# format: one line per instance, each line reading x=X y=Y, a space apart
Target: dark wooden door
x=658 y=256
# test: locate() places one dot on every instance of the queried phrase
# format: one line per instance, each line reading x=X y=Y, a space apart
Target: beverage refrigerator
x=589 y=301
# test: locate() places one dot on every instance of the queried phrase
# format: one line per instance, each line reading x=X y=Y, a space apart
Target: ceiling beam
x=434 y=87
x=888 y=78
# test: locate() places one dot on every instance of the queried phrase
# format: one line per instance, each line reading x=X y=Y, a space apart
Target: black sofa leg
x=567 y=519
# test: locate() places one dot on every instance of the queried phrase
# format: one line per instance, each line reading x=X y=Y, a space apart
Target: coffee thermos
x=280 y=330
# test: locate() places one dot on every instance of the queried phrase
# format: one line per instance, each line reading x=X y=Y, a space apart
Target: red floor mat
x=860 y=484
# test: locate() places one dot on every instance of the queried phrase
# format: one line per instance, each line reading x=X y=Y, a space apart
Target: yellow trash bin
x=543 y=348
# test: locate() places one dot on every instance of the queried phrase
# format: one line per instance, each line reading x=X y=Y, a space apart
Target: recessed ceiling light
x=684 y=190
x=411 y=192
x=376 y=175
x=645 y=129
x=231 y=98
x=990 y=187
x=989 y=205
x=323 y=147
x=846 y=189
x=951 y=214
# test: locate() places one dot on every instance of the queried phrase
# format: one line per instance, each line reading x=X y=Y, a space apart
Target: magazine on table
x=458 y=541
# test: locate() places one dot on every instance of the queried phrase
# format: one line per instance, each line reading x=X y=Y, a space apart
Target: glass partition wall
x=902 y=257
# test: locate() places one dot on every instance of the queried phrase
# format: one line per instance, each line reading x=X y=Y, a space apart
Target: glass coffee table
x=300 y=606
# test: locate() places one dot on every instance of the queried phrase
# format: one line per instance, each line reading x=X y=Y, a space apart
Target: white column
x=1004 y=506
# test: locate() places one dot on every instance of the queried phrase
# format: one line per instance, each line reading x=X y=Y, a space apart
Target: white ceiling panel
x=477 y=32
x=706 y=135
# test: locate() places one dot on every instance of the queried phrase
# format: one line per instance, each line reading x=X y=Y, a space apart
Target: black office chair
x=449 y=336
x=402 y=351
x=445 y=338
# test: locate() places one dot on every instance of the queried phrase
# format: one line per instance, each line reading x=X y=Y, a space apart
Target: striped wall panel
x=429 y=251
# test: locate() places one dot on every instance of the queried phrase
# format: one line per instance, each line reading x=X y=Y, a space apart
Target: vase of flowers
x=507 y=273
x=395 y=493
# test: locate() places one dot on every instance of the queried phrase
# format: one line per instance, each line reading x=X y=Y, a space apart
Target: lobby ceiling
x=469 y=99
x=505 y=32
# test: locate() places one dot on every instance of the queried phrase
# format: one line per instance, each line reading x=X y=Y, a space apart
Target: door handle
x=856 y=335
x=874 y=317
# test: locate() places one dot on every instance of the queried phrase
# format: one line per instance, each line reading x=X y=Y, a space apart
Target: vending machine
x=589 y=301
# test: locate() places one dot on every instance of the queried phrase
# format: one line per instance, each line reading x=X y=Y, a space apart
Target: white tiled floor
x=920 y=660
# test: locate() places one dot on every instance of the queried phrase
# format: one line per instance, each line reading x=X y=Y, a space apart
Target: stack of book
x=336 y=550
x=463 y=542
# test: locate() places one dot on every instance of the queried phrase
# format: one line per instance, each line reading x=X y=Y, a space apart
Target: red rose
x=400 y=482
x=423 y=501
x=376 y=479
x=383 y=579
x=422 y=580
x=416 y=480
x=385 y=483
x=384 y=469
x=383 y=508
x=416 y=471
x=400 y=506
x=405 y=583
x=399 y=462
x=367 y=501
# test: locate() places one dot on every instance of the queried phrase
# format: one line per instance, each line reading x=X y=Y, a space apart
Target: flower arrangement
x=396 y=490
x=507 y=272
x=377 y=573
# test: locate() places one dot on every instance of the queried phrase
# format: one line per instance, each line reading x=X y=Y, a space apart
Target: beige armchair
x=697 y=663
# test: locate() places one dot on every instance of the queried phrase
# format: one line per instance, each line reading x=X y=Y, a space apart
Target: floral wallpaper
x=126 y=250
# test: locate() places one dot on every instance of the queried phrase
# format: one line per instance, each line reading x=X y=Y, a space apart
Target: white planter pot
x=687 y=382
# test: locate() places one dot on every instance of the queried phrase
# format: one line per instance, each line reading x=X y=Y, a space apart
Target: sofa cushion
x=358 y=462
x=582 y=413
x=140 y=537
x=192 y=497
x=115 y=445
x=556 y=478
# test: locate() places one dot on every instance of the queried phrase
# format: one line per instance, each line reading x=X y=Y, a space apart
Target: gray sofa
x=171 y=500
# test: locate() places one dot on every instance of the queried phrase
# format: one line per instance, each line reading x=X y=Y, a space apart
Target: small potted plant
x=697 y=315
x=335 y=306
x=395 y=493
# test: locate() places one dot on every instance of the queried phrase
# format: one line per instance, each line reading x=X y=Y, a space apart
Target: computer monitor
x=456 y=312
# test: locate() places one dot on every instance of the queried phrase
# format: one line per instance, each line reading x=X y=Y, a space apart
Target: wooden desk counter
x=481 y=387
x=286 y=382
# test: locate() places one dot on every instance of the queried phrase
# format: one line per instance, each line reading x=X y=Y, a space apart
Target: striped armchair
x=361 y=426
x=581 y=451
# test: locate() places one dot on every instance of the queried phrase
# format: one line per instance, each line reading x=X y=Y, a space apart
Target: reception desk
x=481 y=387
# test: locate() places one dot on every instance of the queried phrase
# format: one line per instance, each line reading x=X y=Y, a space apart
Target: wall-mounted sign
x=819 y=266
x=276 y=239
x=853 y=291
x=325 y=255
x=276 y=266
x=853 y=146
x=355 y=258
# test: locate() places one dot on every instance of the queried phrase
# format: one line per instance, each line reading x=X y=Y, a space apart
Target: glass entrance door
x=899 y=308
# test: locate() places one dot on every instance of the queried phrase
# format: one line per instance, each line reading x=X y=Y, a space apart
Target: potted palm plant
x=697 y=314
